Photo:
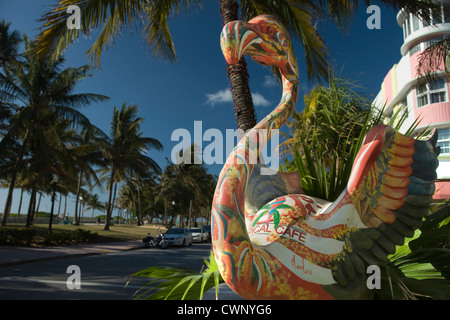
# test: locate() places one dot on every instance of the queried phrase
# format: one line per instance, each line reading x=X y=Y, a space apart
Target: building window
x=437 y=17
x=444 y=140
x=442 y=16
x=424 y=45
x=415 y=23
x=447 y=13
x=433 y=92
x=414 y=49
x=406 y=29
x=431 y=42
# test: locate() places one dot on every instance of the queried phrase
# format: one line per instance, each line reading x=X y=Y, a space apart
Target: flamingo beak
x=236 y=38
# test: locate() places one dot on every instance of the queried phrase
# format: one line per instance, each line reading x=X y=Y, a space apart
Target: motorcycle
x=158 y=241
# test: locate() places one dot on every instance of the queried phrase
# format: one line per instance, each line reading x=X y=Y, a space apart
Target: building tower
x=401 y=90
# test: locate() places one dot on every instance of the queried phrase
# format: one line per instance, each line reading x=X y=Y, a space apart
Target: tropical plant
x=179 y=283
x=419 y=269
x=9 y=43
x=94 y=203
x=328 y=134
x=301 y=18
x=125 y=151
x=88 y=155
x=41 y=95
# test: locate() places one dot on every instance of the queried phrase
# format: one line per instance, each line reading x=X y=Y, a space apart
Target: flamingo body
x=271 y=241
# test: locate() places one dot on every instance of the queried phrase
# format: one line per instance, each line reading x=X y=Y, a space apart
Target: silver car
x=178 y=237
x=199 y=235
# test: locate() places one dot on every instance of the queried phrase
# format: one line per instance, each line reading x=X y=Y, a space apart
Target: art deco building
x=402 y=91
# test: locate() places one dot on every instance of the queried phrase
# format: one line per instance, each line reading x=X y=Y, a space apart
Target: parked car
x=199 y=235
x=178 y=237
x=207 y=229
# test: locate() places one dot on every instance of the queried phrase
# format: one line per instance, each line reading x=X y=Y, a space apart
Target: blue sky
x=174 y=95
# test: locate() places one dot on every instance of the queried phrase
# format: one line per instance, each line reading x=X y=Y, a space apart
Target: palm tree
x=199 y=184
x=39 y=91
x=94 y=203
x=9 y=43
x=125 y=151
x=299 y=16
x=87 y=155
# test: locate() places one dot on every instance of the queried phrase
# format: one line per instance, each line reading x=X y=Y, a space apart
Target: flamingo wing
x=391 y=186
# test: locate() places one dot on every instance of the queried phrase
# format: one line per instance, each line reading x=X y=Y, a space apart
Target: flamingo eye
x=270 y=31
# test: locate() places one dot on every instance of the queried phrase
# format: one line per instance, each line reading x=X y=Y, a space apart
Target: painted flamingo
x=313 y=249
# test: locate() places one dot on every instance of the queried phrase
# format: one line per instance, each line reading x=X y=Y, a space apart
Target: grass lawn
x=118 y=232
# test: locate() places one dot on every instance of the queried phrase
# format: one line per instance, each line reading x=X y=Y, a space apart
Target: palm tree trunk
x=190 y=214
x=114 y=198
x=31 y=205
x=77 y=222
x=39 y=202
x=109 y=210
x=65 y=206
x=244 y=110
x=140 y=223
x=14 y=173
x=59 y=204
x=20 y=203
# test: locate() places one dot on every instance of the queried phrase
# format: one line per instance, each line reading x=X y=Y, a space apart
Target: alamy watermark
x=74 y=280
x=191 y=149
x=373 y=22
x=74 y=20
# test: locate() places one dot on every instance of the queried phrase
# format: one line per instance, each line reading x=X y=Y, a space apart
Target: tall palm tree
x=94 y=203
x=301 y=17
x=9 y=43
x=88 y=154
x=39 y=90
x=125 y=151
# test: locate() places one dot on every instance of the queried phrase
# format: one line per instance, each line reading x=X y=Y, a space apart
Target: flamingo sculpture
x=271 y=241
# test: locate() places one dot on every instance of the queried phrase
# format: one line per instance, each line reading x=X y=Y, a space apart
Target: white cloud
x=224 y=96
x=269 y=81
x=259 y=100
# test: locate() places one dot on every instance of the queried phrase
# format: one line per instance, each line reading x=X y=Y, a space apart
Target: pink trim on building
x=401 y=83
x=442 y=190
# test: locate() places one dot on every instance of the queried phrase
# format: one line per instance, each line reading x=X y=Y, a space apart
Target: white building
x=428 y=102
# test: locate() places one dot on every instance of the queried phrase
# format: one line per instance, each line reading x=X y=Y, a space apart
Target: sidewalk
x=16 y=255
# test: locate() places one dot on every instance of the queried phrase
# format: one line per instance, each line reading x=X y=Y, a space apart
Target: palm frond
x=419 y=269
x=111 y=17
x=179 y=283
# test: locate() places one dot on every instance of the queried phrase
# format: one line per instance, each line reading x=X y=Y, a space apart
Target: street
x=102 y=277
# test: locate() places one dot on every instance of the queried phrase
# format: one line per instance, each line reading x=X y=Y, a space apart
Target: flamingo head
x=264 y=39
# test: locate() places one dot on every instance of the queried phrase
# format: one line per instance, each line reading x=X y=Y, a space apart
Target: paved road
x=103 y=277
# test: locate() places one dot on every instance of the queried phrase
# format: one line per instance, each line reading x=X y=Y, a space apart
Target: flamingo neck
x=228 y=206
x=279 y=115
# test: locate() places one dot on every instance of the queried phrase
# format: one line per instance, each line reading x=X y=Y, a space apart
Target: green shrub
x=81 y=235
x=56 y=237
x=13 y=236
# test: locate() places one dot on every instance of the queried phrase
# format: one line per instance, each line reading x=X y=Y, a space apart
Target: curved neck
x=228 y=207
